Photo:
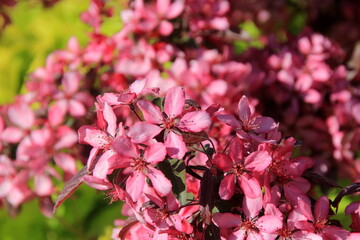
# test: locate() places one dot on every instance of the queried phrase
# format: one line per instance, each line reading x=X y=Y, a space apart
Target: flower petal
x=229 y=120
x=227 y=220
x=174 y=102
x=122 y=145
x=227 y=187
x=110 y=118
x=258 y=161
x=93 y=136
x=244 y=109
x=196 y=121
x=250 y=186
x=222 y=162
x=142 y=132
x=175 y=146
x=155 y=153
x=269 y=224
x=152 y=113
x=264 y=124
x=135 y=185
x=161 y=184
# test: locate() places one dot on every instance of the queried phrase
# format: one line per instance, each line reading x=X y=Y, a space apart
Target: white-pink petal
x=135 y=185
x=21 y=115
x=97 y=183
x=76 y=108
x=257 y=161
x=43 y=185
x=94 y=137
x=175 y=10
x=196 y=121
x=175 y=146
x=269 y=224
x=66 y=162
x=227 y=187
x=12 y=135
x=151 y=113
x=102 y=167
x=110 y=118
x=174 y=101
x=122 y=145
x=142 y=132
x=244 y=109
x=57 y=112
x=161 y=184
x=155 y=153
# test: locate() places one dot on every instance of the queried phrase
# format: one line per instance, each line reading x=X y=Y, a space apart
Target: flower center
x=162 y=214
x=249 y=225
x=139 y=164
x=238 y=169
x=319 y=225
x=168 y=123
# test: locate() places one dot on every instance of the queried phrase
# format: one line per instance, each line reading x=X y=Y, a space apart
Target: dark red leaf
x=70 y=187
x=319 y=179
x=353 y=188
x=131 y=221
x=207 y=197
x=46 y=206
x=194 y=137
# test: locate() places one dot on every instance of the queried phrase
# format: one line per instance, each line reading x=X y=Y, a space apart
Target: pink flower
x=253 y=226
x=21 y=115
x=319 y=222
x=69 y=100
x=241 y=169
x=141 y=163
x=249 y=126
x=354 y=209
x=136 y=90
x=170 y=121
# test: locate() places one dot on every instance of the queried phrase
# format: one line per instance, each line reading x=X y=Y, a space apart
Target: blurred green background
x=24 y=45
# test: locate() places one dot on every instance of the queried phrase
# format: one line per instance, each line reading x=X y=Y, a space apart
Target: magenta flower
x=69 y=100
x=241 y=169
x=21 y=115
x=170 y=120
x=317 y=223
x=136 y=90
x=249 y=126
x=252 y=226
x=141 y=163
x=101 y=140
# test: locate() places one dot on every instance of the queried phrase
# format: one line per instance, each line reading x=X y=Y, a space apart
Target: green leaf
x=175 y=171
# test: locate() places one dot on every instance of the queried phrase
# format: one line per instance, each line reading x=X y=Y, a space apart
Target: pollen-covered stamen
x=285 y=233
x=277 y=168
x=238 y=169
x=319 y=225
x=169 y=123
x=104 y=142
x=139 y=164
x=161 y=214
x=249 y=225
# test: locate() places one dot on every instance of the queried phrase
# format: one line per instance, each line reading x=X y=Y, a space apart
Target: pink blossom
x=169 y=120
x=241 y=169
x=249 y=125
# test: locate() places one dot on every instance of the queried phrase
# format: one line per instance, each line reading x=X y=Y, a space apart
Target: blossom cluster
x=188 y=173
x=200 y=161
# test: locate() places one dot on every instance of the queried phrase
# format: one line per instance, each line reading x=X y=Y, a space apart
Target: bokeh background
x=35 y=32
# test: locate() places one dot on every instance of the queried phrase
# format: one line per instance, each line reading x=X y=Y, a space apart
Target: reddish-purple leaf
x=70 y=187
x=353 y=188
